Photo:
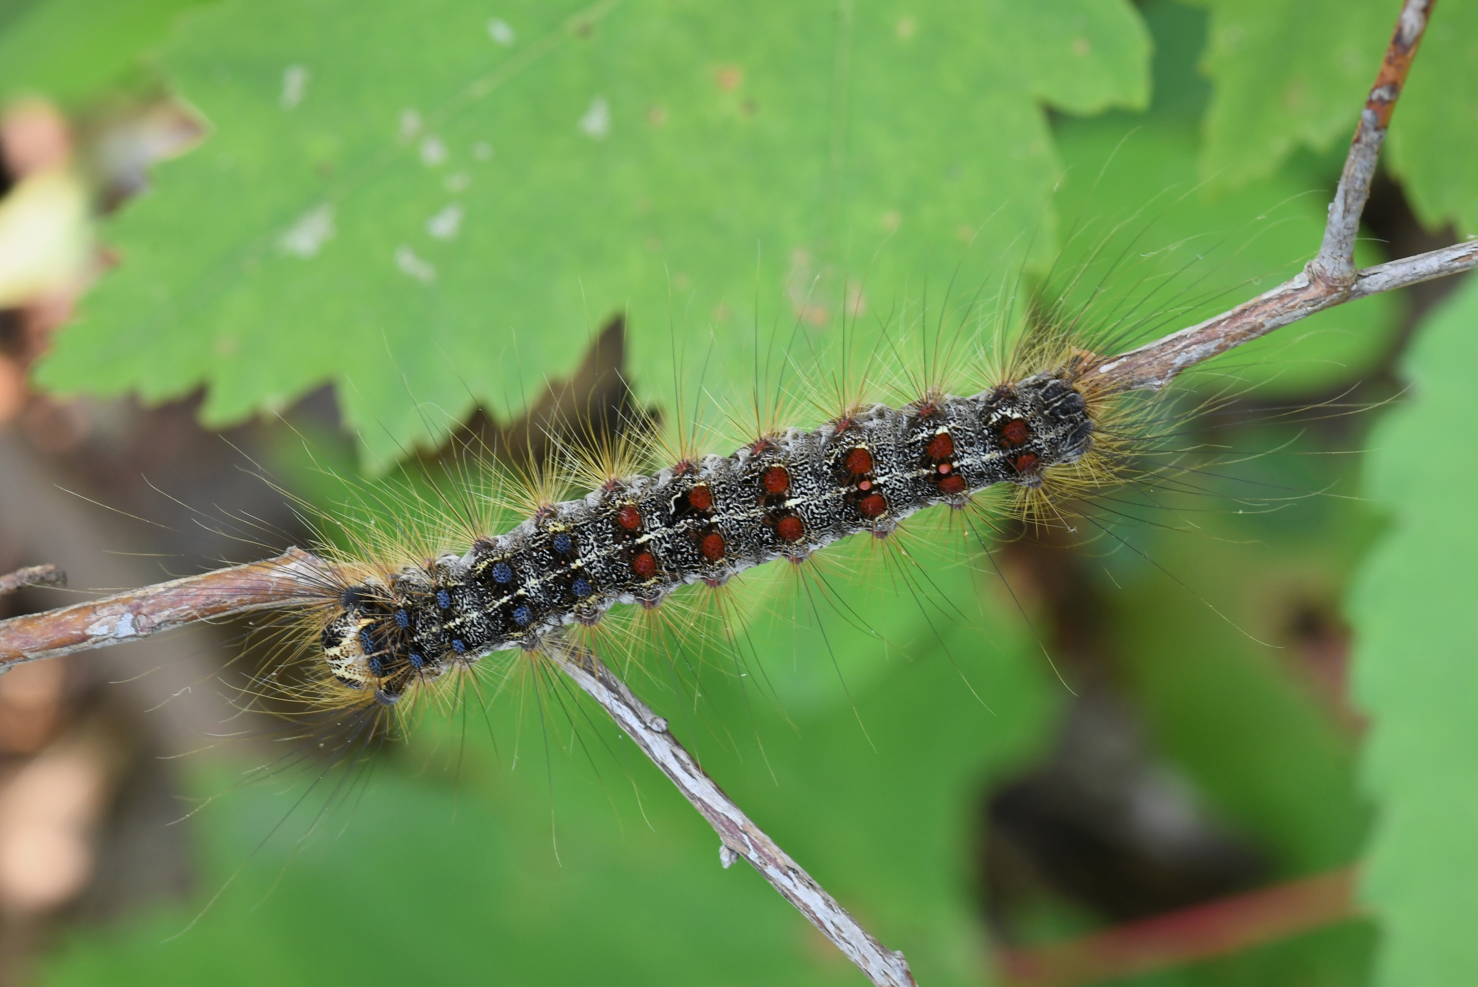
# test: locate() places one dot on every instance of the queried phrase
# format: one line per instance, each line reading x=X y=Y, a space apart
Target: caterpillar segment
x=633 y=541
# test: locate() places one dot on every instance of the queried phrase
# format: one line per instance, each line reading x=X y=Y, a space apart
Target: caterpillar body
x=635 y=539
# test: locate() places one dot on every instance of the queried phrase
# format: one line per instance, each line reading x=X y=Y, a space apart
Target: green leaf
x=1286 y=75
x=1434 y=133
x=431 y=209
x=1290 y=75
x=70 y=50
x=1416 y=661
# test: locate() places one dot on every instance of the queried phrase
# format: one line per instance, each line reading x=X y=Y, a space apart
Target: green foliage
x=72 y=50
x=1286 y=75
x=1415 y=661
x=442 y=878
x=1433 y=139
x=434 y=215
x=1291 y=75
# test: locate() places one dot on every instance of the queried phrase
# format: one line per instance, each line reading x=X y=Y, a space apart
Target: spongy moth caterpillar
x=635 y=539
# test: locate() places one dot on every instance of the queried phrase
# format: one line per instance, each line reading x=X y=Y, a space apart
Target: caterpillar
x=636 y=539
x=402 y=614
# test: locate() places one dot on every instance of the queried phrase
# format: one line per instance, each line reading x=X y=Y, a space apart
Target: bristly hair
x=484 y=555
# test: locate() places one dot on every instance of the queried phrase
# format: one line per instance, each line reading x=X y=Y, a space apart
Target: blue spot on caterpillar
x=443 y=599
x=503 y=572
x=402 y=619
x=563 y=543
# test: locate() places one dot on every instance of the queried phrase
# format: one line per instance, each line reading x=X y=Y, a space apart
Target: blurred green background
x=394 y=221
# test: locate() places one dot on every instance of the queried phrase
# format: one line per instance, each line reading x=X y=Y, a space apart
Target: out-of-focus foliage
x=71 y=50
x=1417 y=660
x=1291 y=75
x=553 y=873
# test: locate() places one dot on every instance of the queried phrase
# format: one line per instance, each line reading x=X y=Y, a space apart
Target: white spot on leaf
x=294 y=86
x=308 y=235
x=410 y=124
x=457 y=182
x=596 y=123
x=409 y=263
x=500 y=32
x=482 y=150
x=433 y=152
x=445 y=224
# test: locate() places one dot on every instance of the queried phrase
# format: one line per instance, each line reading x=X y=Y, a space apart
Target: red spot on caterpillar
x=865 y=485
x=1015 y=432
x=952 y=485
x=775 y=480
x=943 y=468
x=858 y=461
x=700 y=498
x=712 y=546
x=928 y=410
x=940 y=447
x=790 y=528
x=843 y=424
x=872 y=505
x=1024 y=462
x=644 y=565
x=629 y=517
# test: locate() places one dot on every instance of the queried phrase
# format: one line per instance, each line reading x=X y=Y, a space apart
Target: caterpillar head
x=366 y=645
x=1047 y=422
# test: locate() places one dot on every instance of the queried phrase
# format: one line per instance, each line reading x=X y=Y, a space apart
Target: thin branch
x=294 y=577
x=1187 y=935
x=299 y=577
x=1154 y=365
x=1329 y=279
x=1336 y=259
x=36 y=575
x=742 y=839
x=287 y=579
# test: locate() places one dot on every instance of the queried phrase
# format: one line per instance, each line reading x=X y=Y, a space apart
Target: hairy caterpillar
x=636 y=539
x=412 y=602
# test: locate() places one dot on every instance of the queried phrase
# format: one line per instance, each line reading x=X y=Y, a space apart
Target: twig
x=1336 y=260
x=36 y=575
x=297 y=577
x=1187 y=935
x=289 y=578
x=1154 y=365
x=1329 y=279
x=742 y=839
